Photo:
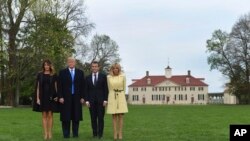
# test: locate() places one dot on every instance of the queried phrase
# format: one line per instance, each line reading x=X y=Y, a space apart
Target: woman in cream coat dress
x=117 y=104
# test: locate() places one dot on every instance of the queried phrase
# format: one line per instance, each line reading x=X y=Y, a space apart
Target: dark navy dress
x=47 y=93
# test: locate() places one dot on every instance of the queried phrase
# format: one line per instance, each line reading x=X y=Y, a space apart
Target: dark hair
x=48 y=62
x=95 y=62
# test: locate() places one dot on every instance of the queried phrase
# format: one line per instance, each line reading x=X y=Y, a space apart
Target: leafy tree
x=102 y=49
x=13 y=14
x=51 y=39
x=230 y=54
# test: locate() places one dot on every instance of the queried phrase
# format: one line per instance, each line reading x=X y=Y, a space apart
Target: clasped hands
x=61 y=100
x=104 y=103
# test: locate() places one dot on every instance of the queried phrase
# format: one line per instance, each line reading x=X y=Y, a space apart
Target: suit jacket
x=99 y=92
x=64 y=91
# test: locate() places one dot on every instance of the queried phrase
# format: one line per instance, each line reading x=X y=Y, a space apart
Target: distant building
x=230 y=98
x=168 y=89
x=216 y=98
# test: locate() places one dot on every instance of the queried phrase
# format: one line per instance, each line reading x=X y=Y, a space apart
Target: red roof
x=178 y=79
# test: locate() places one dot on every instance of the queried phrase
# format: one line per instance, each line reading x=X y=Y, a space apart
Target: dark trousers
x=66 y=128
x=97 y=111
x=66 y=124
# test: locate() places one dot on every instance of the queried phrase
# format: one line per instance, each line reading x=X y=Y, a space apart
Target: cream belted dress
x=116 y=98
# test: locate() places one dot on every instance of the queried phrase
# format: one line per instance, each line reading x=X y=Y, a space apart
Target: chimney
x=148 y=81
x=189 y=73
x=148 y=78
x=168 y=72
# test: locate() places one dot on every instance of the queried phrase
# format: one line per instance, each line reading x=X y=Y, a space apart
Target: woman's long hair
x=48 y=62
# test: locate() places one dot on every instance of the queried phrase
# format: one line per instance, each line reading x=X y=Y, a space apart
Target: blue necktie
x=72 y=77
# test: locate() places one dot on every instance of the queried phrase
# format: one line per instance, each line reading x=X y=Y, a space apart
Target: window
x=200 y=88
x=175 y=97
x=163 y=97
x=135 y=89
x=135 y=98
x=158 y=97
x=154 y=89
x=153 y=97
x=192 y=88
x=185 y=96
x=143 y=88
x=160 y=89
x=180 y=97
x=183 y=88
x=201 y=97
x=166 y=88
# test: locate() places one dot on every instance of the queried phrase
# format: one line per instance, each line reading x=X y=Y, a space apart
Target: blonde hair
x=115 y=65
x=71 y=58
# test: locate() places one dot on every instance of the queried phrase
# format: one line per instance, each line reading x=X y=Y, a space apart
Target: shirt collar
x=95 y=73
x=71 y=69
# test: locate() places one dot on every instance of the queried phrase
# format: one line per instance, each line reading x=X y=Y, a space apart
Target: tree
x=15 y=12
x=2 y=54
x=230 y=54
x=103 y=49
x=51 y=39
x=72 y=12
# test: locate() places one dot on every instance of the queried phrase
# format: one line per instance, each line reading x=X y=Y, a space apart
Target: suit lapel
x=69 y=75
x=75 y=74
x=98 y=78
x=91 y=80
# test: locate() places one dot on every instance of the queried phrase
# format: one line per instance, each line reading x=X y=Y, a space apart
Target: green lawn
x=142 y=123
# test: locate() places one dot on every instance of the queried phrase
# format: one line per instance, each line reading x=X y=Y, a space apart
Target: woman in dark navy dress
x=46 y=96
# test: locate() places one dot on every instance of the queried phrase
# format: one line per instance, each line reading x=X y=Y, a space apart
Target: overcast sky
x=151 y=32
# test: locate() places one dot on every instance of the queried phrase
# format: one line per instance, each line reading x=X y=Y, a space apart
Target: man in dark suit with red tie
x=71 y=93
x=96 y=98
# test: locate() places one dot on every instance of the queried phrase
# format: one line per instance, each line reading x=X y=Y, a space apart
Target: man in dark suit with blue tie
x=96 y=98
x=71 y=93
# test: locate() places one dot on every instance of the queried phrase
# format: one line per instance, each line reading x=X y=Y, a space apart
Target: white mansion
x=168 y=89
